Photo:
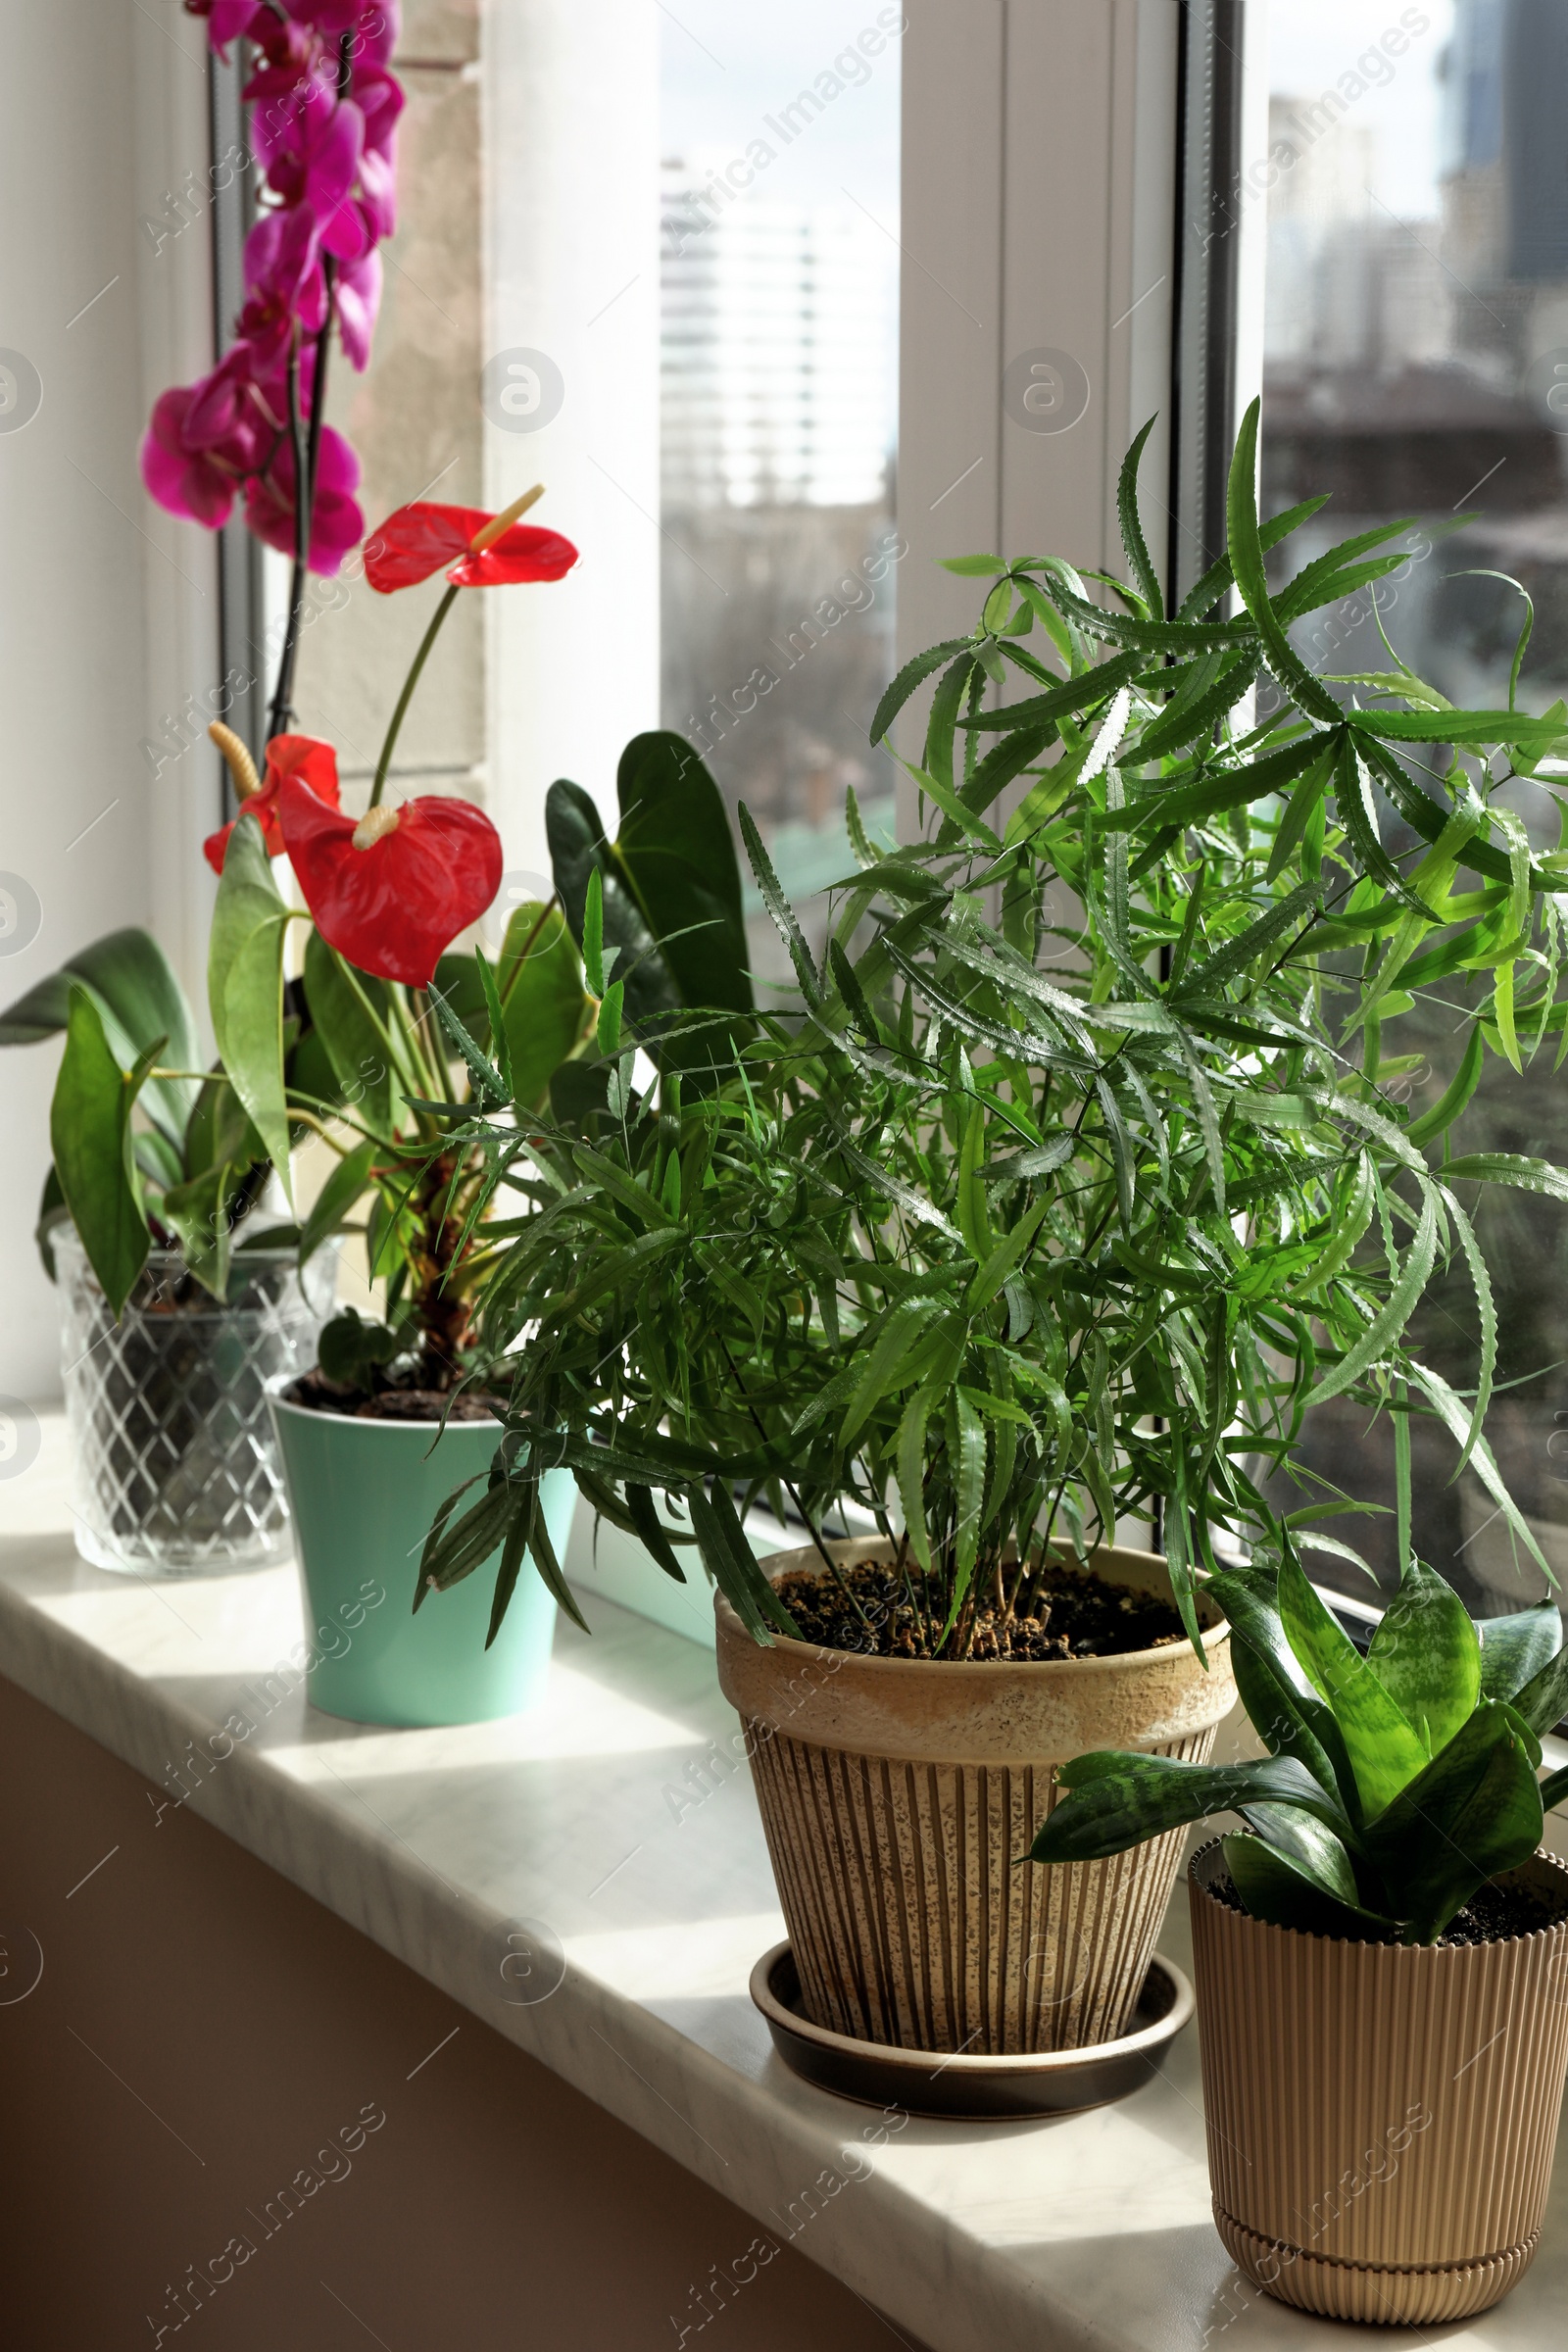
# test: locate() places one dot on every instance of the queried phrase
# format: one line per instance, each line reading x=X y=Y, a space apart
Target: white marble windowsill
x=588 y=1822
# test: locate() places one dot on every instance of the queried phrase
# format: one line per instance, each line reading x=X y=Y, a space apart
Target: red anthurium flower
x=304 y=757
x=391 y=892
x=418 y=540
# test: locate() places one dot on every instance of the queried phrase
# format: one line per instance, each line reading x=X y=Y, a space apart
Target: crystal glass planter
x=176 y=1465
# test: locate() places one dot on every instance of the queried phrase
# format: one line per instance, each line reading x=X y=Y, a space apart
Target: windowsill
x=1089 y=2229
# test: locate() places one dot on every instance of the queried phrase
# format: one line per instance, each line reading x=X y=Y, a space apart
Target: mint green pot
x=364 y=1494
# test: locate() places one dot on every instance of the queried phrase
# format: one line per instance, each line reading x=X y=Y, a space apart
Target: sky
x=1312 y=42
x=727 y=64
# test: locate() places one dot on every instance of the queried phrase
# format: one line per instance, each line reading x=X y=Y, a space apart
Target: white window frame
x=1074 y=216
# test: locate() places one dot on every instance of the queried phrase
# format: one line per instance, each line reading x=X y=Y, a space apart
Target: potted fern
x=1071 y=1180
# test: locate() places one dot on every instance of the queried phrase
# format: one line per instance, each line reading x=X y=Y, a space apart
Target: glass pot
x=176 y=1467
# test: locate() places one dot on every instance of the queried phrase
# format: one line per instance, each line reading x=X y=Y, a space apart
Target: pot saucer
x=923 y=2083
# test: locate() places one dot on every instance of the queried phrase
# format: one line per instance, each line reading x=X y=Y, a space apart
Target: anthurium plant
x=1078 y=1173
x=373 y=1034
x=1396 y=1783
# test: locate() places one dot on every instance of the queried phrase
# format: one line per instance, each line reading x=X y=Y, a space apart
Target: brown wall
x=201 y=2034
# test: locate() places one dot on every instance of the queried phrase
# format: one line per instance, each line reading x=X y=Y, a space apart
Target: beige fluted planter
x=1381 y=2117
x=897 y=1795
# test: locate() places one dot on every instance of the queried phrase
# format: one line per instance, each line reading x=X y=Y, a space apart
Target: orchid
x=337 y=522
x=325 y=110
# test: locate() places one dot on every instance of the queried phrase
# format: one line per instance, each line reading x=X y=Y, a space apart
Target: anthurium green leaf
x=543 y=1005
x=353 y=1346
x=201 y=1212
x=1290 y=1891
x=139 y=1000
x=1116 y=1808
x=220 y=1133
x=245 y=987
x=52 y=1215
x=1384 y=1749
x=1515 y=1649
x=337 y=1198
x=1473 y=1811
x=90 y=1131
x=1426 y=1655
x=579 y=845
x=677 y=852
x=350 y=1017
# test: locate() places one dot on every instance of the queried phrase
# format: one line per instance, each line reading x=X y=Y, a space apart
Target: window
x=1416 y=363
x=780 y=261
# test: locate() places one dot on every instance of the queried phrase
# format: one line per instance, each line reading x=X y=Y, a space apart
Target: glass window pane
x=413 y=422
x=780 y=215
x=1416 y=363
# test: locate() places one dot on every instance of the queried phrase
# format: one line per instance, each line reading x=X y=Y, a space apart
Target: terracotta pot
x=898 y=1795
x=1381 y=2117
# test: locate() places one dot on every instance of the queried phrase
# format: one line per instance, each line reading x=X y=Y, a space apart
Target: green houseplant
x=399 y=1408
x=1072 y=1179
x=1384 y=1911
x=182 y=1290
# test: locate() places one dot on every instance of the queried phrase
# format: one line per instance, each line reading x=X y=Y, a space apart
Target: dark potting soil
x=1496 y=1914
x=1075 y=1616
x=318 y=1395
x=1493 y=1915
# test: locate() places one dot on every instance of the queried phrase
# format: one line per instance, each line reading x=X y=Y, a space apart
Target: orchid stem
x=282 y=711
x=307 y=445
x=394 y=728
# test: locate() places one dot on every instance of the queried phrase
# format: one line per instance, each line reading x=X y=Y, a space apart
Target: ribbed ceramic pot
x=364 y=1494
x=1381 y=2117
x=899 y=1793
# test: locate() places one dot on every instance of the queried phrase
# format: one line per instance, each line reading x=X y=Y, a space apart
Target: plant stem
x=834 y=1570
x=407 y=696
x=281 y=712
x=307 y=445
